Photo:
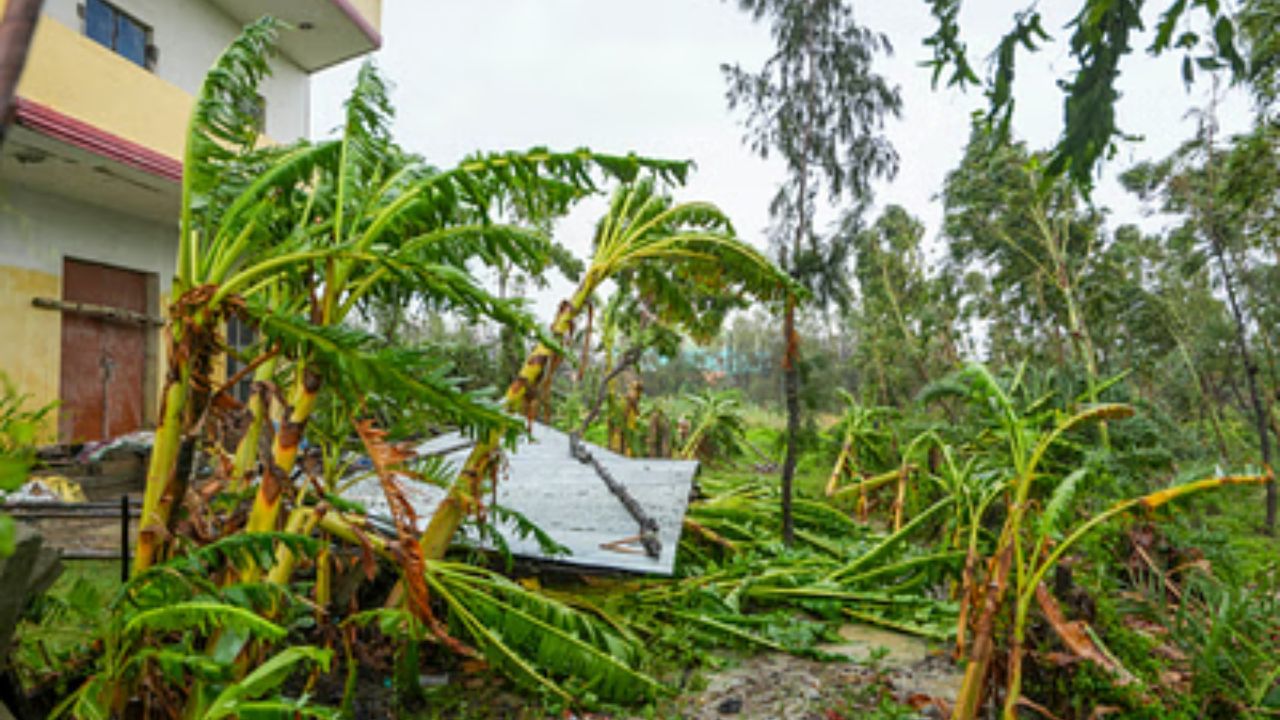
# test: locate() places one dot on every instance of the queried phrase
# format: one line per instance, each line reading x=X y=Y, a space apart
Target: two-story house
x=90 y=178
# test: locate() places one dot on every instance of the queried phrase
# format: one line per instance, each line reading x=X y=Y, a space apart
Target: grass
x=102 y=575
x=66 y=616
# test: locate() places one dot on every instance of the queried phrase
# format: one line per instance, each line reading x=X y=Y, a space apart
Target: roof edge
x=360 y=22
x=64 y=128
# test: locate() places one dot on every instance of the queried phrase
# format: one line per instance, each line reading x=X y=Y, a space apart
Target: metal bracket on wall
x=103 y=312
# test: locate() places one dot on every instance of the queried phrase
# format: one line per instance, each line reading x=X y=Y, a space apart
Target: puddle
x=775 y=685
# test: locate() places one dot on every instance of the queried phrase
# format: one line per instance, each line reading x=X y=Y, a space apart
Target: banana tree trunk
x=163 y=482
x=837 y=473
x=520 y=394
x=247 y=450
x=791 y=386
x=184 y=399
x=974 y=685
x=284 y=452
x=632 y=418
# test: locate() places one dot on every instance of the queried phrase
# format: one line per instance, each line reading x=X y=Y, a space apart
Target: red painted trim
x=354 y=16
x=51 y=123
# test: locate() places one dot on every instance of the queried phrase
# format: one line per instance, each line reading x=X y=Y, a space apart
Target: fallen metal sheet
x=566 y=499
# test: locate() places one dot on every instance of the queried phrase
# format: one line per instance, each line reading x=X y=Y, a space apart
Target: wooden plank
x=101 y=312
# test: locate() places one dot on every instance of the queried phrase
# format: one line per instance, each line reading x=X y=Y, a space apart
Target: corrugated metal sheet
x=567 y=499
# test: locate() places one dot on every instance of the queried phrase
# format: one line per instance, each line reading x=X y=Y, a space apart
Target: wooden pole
x=124 y=538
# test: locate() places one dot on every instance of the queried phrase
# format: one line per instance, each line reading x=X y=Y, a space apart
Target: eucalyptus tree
x=818 y=104
x=1258 y=21
x=1103 y=33
x=1162 y=324
x=1034 y=240
x=1218 y=194
x=654 y=249
x=901 y=314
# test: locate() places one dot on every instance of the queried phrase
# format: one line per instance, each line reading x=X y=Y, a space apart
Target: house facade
x=90 y=184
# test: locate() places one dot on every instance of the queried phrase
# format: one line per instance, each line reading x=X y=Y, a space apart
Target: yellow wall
x=31 y=352
x=78 y=77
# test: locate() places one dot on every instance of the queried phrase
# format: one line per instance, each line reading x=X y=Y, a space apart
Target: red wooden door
x=103 y=361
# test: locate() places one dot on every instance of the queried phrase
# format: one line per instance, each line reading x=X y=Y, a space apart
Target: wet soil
x=882 y=667
x=870 y=673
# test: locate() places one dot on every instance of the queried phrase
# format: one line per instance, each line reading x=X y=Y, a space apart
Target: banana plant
x=294 y=239
x=400 y=223
x=1030 y=543
x=865 y=441
x=717 y=427
x=156 y=644
x=652 y=247
x=858 y=426
x=19 y=428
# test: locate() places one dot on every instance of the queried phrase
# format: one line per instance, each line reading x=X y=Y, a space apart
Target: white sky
x=645 y=76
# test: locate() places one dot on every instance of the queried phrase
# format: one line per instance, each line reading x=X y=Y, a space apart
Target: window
x=111 y=28
x=240 y=337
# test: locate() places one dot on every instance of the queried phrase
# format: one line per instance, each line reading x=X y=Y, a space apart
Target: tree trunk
x=449 y=515
x=1217 y=244
x=284 y=452
x=791 y=388
x=16 y=30
x=1251 y=377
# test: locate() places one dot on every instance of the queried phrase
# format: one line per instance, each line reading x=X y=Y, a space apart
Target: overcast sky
x=644 y=76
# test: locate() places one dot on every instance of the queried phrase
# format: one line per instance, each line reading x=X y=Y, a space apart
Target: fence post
x=124 y=538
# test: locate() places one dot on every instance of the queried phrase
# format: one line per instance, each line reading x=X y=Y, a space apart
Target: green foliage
x=19 y=427
x=740 y=582
x=173 y=627
x=533 y=638
x=1102 y=34
x=683 y=259
x=817 y=103
x=716 y=427
x=904 y=318
x=1080 y=325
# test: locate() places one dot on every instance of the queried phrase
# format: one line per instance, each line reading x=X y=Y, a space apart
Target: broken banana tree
x=654 y=248
x=1028 y=548
x=293 y=239
x=221 y=245
x=1031 y=578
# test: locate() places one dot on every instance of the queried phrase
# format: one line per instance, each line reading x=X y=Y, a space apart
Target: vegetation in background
x=19 y=428
x=819 y=105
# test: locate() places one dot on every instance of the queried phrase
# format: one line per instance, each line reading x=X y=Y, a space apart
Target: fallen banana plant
x=1030 y=543
x=741 y=586
x=538 y=641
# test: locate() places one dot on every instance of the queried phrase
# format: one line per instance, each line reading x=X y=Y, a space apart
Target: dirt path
x=883 y=668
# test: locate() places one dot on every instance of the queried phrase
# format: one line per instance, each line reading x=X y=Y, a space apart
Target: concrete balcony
x=80 y=92
x=329 y=31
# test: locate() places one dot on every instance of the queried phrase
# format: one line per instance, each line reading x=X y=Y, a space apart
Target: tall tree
x=1258 y=22
x=1035 y=240
x=1103 y=32
x=903 y=318
x=16 y=30
x=819 y=105
x=1221 y=193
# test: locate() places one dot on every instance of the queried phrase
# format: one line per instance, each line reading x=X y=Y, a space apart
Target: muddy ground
x=882 y=675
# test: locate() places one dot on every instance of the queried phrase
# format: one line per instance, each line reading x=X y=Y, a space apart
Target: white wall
x=189 y=35
x=38 y=230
